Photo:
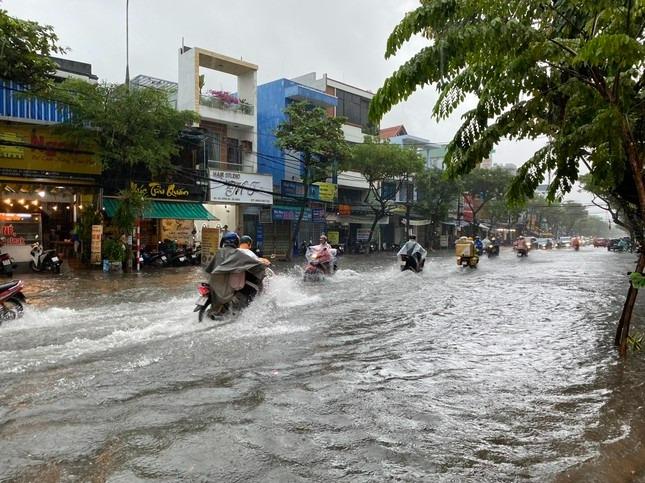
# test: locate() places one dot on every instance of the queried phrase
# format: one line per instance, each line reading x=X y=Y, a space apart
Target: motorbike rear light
x=203 y=290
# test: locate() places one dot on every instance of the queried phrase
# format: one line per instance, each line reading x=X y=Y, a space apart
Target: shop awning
x=166 y=209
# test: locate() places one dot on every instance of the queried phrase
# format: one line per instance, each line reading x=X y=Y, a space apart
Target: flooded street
x=503 y=373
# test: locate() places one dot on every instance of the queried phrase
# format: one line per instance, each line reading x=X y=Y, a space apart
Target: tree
x=320 y=141
x=25 y=47
x=386 y=167
x=569 y=71
x=437 y=195
x=483 y=186
x=132 y=127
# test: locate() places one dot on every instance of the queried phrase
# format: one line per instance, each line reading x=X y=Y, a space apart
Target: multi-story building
x=229 y=123
x=46 y=180
x=286 y=169
x=350 y=219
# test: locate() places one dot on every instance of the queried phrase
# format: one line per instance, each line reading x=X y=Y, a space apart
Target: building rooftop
x=390 y=132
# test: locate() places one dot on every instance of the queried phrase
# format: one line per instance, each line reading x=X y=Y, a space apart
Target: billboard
x=241 y=188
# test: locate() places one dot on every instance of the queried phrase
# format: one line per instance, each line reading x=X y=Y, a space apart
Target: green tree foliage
x=572 y=72
x=318 y=139
x=382 y=163
x=483 y=186
x=437 y=195
x=131 y=127
x=25 y=47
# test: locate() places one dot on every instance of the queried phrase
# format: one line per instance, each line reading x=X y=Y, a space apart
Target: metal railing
x=217 y=103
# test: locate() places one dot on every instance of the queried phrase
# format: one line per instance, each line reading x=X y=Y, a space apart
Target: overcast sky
x=285 y=38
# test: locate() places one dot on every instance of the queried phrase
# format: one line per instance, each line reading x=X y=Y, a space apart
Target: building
x=286 y=170
x=349 y=220
x=46 y=181
x=228 y=121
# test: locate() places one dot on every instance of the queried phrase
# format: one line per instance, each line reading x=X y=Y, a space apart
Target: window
x=354 y=107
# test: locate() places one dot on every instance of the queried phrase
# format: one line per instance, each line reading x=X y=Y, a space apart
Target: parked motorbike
x=321 y=262
x=12 y=300
x=180 y=258
x=194 y=255
x=7 y=264
x=42 y=260
x=235 y=282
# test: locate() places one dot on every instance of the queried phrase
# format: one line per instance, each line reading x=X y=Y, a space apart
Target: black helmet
x=246 y=239
x=231 y=239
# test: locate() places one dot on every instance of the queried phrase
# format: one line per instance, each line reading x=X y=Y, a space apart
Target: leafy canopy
x=571 y=72
x=132 y=127
x=25 y=47
x=318 y=138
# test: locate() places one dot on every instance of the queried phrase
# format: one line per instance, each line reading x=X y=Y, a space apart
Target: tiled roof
x=390 y=132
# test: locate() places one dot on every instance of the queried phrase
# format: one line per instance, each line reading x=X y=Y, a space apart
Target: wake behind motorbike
x=44 y=260
x=321 y=263
x=12 y=300
x=245 y=285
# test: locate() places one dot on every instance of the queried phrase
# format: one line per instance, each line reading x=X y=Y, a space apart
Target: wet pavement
x=504 y=373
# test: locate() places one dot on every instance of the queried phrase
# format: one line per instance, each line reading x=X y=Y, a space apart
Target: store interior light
x=35 y=202
x=55 y=207
x=7 y=201
x=80 y=207
x=21 y=201
x=67 y=207
x=41 y=193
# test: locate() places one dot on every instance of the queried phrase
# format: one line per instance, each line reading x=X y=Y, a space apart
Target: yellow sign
x=158 y=190
x=95 y=247
x=327 y=191
x=210 y=244
x=180 y=231
x=38 y=148
x=333 y=237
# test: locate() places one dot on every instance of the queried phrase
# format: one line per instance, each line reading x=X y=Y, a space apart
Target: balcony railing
x=217 y=103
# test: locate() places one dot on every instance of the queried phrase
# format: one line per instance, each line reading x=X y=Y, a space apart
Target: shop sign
x=287 y=213
x=333 y=237
x=54 y=156
x=180 y=231
x=239 y=188
x=159 y=190
x=318 y=215
x=362 y=234
x=10 y=235
x=328 y=191
x=210 y=244
x=95 y=247
x=344 y=210
x=293 y=188
x=265 y=215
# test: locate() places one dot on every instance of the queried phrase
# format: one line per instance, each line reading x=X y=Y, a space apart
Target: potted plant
x=114 y=253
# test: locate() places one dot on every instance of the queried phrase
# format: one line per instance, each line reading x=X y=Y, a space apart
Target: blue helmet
x=231 y=239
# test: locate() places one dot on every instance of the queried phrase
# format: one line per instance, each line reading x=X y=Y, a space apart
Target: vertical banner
x=210 y=244
x=95 y=247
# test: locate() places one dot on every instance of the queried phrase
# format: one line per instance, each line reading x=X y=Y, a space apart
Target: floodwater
x=504 y=373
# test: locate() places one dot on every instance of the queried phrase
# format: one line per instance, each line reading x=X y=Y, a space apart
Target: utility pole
x=127 y=45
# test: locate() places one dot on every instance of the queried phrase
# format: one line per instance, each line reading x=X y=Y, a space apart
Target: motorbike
x=194 y=255
x=413 y=258
x=44 y=259
x=321 y=262
x=234 y=283
x=7 y=264
x=180 y=258
x=492 y=251
x=12 y=300
x=465 y=252
x=522 y=252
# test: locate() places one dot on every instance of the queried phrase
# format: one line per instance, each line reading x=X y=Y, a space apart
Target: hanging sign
x=210 y=244
x=95 y=247
x=327 y=191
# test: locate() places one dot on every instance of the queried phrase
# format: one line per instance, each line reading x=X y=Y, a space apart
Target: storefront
x=45 y=184
x=170 y=213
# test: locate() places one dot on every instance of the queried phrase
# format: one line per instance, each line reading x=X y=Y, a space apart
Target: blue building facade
x=16 y=105
x=272 y=99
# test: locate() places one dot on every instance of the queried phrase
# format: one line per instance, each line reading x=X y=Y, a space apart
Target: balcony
x=229 y=111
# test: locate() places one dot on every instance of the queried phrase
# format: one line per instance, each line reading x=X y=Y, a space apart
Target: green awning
x=178 y=210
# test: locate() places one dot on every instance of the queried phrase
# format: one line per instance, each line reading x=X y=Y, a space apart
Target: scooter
x=245 y=286
x=7 y=264
x=492 y=251
x=12 y=300
x=44 y=259
x=321 y=262
x=522 y=252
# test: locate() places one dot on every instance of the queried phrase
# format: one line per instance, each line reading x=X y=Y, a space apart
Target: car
x=600 y=242
x=564 y=242
x=544 y=243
